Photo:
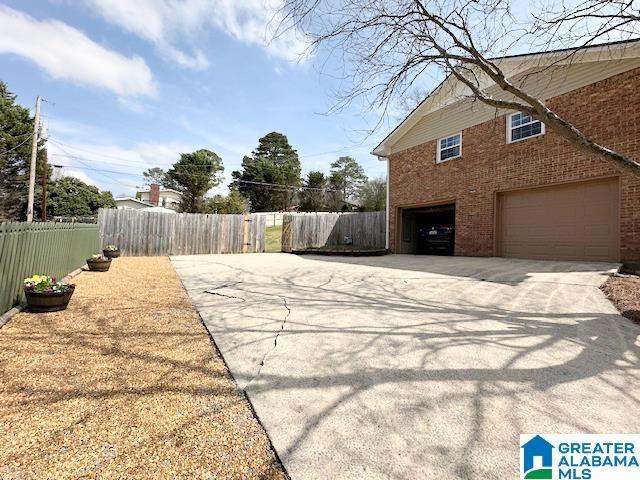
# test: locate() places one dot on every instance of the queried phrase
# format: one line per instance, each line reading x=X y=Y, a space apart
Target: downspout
x=386 y=159
x=388 y=204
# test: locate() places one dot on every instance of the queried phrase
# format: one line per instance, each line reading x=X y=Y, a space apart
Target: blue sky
x=130 y=85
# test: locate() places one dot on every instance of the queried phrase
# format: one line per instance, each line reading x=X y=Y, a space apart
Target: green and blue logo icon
x=553 y=456
x=537 y=459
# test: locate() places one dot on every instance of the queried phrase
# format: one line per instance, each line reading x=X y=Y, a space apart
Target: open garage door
x=576 y=221
x=428 y=230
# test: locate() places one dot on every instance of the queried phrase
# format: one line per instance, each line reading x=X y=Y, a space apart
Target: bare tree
x=389 y=45
x=585 y=22
x=408 y=102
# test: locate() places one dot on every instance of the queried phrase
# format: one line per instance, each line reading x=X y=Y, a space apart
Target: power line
x=285 y=186
x=89 y=167
x=96 y=170
x=93 y=152
x=17 y=146
x=265 y=185
x=61 y=144
x=273 y=186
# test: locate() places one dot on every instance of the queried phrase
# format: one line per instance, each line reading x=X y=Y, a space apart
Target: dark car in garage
x=436 y=239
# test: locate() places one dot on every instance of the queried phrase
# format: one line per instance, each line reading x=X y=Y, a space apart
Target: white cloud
x=162 y=154
x=106 y=164
x=165 y=23
x=73 y=172
x=64 y=52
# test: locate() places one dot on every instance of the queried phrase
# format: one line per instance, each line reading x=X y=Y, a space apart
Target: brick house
x=497 y=184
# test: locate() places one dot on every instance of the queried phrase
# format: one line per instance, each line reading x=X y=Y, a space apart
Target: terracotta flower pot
x=99 y=265
x=48 y=302
x=111 y=253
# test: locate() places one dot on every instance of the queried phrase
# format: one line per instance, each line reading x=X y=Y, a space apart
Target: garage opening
x=428 y=230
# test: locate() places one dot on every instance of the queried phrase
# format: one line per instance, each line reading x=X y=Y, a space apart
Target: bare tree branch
x=387 y=46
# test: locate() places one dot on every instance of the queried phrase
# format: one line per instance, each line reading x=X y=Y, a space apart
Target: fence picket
x=307 y=231
x=41 y=248
x=151 y=233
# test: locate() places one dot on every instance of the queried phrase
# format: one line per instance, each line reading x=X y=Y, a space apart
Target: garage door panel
x=598 y=211
x=598 y=251
x=603 y=232
x=568 y=222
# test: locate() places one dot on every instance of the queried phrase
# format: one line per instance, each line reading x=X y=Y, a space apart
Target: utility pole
x=34 y=154
x=44 y=187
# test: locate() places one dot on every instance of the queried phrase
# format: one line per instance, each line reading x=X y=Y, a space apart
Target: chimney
x=154 y=194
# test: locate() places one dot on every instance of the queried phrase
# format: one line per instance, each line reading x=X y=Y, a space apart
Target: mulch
x=125 y=383
x=624 y=292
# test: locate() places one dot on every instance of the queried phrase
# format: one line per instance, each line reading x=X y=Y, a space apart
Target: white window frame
x=439 y=150
x=510 y=128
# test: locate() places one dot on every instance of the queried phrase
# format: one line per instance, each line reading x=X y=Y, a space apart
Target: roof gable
x=544 y=74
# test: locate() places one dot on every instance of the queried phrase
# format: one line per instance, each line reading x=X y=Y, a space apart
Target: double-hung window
x=449 y=147
x=521 y=126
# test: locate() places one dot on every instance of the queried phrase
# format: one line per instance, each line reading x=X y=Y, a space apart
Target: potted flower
x=111 y=251
x=98 y=263
x=45 y=294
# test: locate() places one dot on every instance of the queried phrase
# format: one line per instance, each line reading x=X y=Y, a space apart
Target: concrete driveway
x=406 y=367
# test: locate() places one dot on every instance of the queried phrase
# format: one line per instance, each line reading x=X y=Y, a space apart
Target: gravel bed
x=124 y=384
x=624 y=292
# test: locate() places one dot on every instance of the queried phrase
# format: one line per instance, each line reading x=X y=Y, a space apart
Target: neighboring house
x=161 y=197
x=160 y=210
x=497 y=184
x=131 y=203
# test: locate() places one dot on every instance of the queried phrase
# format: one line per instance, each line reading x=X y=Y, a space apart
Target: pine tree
x=274 y=161
x=314 y=197
x=16 y=131
x=347 y=173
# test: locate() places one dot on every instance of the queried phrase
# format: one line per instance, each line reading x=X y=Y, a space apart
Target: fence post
x=245 y=232
x=286 y=233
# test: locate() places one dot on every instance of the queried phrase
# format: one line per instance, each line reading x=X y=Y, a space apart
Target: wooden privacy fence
x=41 y=248
x=301 y=232
x=140 y=233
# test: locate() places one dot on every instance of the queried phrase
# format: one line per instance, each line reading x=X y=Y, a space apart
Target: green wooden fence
x=41 y=248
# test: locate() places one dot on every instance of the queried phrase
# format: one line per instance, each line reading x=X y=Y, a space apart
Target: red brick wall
x=608 y=111
x=154 y=194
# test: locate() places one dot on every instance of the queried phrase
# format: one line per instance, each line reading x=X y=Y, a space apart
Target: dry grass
x=124 y=384
x=624 y=292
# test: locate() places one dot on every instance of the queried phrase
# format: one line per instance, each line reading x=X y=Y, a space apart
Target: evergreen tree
x=16 y=131
x=154 y=175
x=194 y=175
x=348 y=175
x=235 y=202
x=313 y=198
x=274 y=161
x=71 y=197
x=336 y=201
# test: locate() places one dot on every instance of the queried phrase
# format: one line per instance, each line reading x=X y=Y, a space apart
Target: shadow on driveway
x=416 y=367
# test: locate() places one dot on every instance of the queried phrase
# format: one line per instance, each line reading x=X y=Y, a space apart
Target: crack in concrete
x=225 y=285
x=275 y=341
x=225 y=296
